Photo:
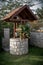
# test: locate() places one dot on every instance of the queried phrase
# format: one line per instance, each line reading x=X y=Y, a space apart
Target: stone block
x=36 y=39
x=19 y=47
x=17 y=53
x=6 y=33
x=18 y=44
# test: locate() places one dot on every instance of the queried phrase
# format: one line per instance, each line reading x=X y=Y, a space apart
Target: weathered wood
x=18 y=20
x=18 y=11
x=26 y=14
x=14 y=29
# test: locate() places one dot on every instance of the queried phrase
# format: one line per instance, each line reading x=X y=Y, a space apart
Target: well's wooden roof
x=24 y=12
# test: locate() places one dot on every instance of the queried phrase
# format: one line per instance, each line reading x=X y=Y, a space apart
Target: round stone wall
x=36 y=38
x=18 y=46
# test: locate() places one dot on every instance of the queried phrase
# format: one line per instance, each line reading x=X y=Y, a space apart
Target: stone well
x=18 y=46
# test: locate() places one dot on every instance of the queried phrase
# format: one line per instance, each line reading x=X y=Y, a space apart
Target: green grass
x=34 y=57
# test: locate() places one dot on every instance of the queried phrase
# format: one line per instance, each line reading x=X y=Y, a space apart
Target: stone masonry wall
x=5 y=40
x=36 y=38
x=18 y=47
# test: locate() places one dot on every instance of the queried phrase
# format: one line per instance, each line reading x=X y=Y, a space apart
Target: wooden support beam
x=18 y=20
x=26 y=14
x=14 y=29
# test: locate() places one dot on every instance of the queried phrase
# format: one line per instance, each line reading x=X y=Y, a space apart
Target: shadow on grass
x=36 y=51
x=34 y=57
x=40 y=63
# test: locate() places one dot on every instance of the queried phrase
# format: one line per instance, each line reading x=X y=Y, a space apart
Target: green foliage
x=6 y=25
x=25 y=29
x=34 y=57
x=40 y=13
x=37 y=25
x=2 y=26
x=8 y=5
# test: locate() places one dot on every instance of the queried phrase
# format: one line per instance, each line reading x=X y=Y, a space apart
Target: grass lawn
x=34 y=57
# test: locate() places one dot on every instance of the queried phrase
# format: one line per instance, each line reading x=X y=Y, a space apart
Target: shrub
x=25 y=32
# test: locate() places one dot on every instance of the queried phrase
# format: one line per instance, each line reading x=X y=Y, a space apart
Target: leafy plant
x=40 y=13
x=25 y=30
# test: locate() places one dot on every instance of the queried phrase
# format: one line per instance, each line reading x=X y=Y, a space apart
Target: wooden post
x=14 y=29
x=15 y=26
x=23 y=33
x=20 y=31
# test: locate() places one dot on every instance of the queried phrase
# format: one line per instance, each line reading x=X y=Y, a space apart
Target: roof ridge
x=17 y=11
